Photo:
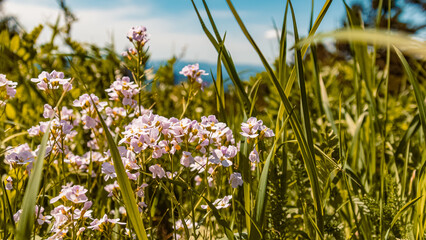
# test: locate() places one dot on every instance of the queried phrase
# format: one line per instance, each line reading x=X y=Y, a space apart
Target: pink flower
x=236 y=180
x=99 y=224
x=193 y=73
x=112 y=188
x=157 y=171
x=9 y=185
x=254 y=156
x=74 y=194
x=7 y=87
x=20 y=155
x=251 y=129
x=109 y=170
x=186 y=159
x=223 y=155
x=138 y=34
x=220 y=203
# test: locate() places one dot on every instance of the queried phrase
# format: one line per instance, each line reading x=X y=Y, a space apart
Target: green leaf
x=125 y=188
x=4 y=38
x=219 y=219
x=26 y=220
x=417 y=92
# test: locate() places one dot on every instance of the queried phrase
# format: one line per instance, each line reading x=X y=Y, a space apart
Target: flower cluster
x=49 y=81
x=74 y=210
x=123 y=90
x=138 y=34
x=194 y=73
x=7 y=89
x=254 y=129
x=89 y=104
x=61 y=129
x=220 y=203
x=41 y=219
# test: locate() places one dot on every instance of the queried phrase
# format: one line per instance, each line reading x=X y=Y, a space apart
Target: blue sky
x=173 y=25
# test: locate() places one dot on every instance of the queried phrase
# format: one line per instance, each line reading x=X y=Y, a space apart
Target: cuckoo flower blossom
x=138 y=34
x=194 y=73
x=20 y=155
x=123 y=89
x=236 y=180
x=7 y=89
x=254 y=128
x=53 y=80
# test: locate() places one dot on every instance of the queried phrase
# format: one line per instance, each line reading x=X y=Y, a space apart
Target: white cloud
x=169 y=34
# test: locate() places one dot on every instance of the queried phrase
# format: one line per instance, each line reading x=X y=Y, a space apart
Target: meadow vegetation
x=96 y=145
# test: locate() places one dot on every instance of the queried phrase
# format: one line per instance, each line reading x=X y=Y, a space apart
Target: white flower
x=157 y=171
x=236 y=180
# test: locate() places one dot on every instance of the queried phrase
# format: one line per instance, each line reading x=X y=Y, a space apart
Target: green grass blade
x=253 y=94
x=305 y=150
x=227 y=61
x=260 y=206
x=6 y=204
x=400 y=212
x=301 y=77
x=417 y=92
x=412 y=129
x=253 y=221
x=220 y=219
x=314 y=28
x=220 y=104
x=326 y=106
x=220 y=83
x=283 y=50
x=125 y=188
x=26 y=220
x=355 y=137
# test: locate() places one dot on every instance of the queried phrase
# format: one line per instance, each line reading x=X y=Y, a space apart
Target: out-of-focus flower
x=112 y=189
x=186 y=159
x=99 y=224
x=179 y=224
x=7 y=89
x=40 y=217
x=236 y=180
x=74 y=194
x=157 y=171
x=138 y=34
x=254 y=156
x=17 y=215
x=194 y=73
x=19 y=155
x=220 y=203
x=223 y=155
